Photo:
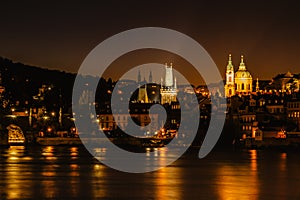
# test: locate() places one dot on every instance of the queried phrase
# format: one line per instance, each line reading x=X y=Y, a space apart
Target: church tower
x=243 y=79
x=229 y=85
x=168 y=89
x=257 y=86
x=142 y=95
x=150 y=77
x=139 y=77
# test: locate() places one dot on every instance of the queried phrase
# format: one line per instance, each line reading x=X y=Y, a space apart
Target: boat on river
x=158 y=139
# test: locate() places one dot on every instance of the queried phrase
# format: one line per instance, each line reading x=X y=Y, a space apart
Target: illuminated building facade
x=239 y=82
x=168 y=89
x=287 y=82
x=243 y=79
x=142 y=95
x=229 y=86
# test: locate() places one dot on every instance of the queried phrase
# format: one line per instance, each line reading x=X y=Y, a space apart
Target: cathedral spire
x=229 y=86
x=139 y=76
x=150 y=77
x=169 y=76
x=242 y=64
x=229 y=65
x=257 y=85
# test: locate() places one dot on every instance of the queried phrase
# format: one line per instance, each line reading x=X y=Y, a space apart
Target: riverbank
x=251 y=143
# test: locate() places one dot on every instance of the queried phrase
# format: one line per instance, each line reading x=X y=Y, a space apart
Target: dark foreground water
x=71 y=173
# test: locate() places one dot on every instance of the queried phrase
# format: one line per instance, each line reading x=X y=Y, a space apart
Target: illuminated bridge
x=15 y=135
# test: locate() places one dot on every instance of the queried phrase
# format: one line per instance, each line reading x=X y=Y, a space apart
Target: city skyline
x=108 y=99
x=59 y=36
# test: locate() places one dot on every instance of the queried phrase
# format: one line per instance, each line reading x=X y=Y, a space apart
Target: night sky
x=60 y=35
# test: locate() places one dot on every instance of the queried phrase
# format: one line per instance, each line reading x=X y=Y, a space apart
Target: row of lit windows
x=248 y=119
x=246 y=128
x=262 y=102
x=293 y=104
x=242 y=87
x=175 y=106
x=276 y=110
x=257 y=134
x=107 y=118
x=276 y=101
x=294 y=114
x=143 y=110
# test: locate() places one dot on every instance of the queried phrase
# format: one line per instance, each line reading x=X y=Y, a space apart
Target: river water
x=47 y=172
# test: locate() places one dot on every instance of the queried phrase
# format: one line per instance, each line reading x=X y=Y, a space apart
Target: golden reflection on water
x=14 y=174
x=15 y=152
x=74 y=179
x=282 y=165
x=282 y=172
x=233 y=179
x=168 y=180
x=99 y=181
x=74 y=152
x=255 y=175
x=99 y=153
x=48 y=184
x=49 y=188
x=48 y=153
x=74 y=170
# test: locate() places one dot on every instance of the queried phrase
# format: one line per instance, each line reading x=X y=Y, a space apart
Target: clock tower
x=229 y=85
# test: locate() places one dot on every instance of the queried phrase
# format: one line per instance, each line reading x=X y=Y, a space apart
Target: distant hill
x=22 y=81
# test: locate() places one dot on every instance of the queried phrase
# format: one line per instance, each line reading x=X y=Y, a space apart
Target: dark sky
x=60 y=35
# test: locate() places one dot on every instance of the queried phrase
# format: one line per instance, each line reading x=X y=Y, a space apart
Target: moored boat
x=159 y=139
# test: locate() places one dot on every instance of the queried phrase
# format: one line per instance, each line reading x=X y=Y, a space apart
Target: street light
x=45 y=117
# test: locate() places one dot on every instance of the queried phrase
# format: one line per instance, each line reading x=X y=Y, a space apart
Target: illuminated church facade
x=239 y=82
x=168 y=87
x=150 y=92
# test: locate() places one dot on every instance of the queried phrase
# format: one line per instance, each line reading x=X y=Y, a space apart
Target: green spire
x=229 y=66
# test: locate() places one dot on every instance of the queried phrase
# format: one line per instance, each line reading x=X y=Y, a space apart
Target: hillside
x=23 y=81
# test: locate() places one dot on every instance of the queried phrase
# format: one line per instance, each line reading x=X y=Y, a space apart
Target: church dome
x=242 y=71
x=242 y=74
